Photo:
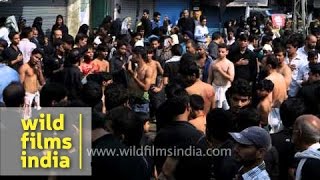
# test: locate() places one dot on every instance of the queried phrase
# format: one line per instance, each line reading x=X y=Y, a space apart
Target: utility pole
x=300 y=11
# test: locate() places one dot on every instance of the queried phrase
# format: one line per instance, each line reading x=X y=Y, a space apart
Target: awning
x=244 y=3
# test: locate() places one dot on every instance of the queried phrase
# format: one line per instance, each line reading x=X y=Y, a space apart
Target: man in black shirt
x=186 y=23
x=178 y=133
x=311 y=91
x=12 y=54
x=244 y=61
x=290 y=110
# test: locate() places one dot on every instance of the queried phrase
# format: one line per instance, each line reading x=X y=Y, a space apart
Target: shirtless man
x=278 y=95
x=190 y=75
x=283 y=68
x=264 y=88
x=142 y=76
x=221 y=72
x=156 y=70
x=32 y=79
x=102 y=52
x=157 y=96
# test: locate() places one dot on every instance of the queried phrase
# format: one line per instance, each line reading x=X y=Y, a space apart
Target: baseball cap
x=253 y=135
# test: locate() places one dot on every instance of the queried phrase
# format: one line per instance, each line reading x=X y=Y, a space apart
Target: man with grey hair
x=203 y=61
x=306 y=136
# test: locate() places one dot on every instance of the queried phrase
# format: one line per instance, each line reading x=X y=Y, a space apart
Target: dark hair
x=219 y=124
x=313 y=53
x=293 y=42
x=146 y=11
x=272 y=61
x=243 y=37
x=80 y=36
x=98 y=120
x=253 y=37
x=290 y=110
x=265 y=39
x=223 y=46
x=52 y=92
x=84 y=28
x=91 y=93
x=315 y=68
x=189 y=68
x=99 y=77
x=121 y=43
x=12 y=34
x=61 y=17
x=179 y=103
x=247 y=117
x=25 y=32
x=155 y=14
x=216 y=35
x=37 y=51
x=196 y=102
x=173 y=89
x=102 y=48
x=240 y=87
x=126 y=122
x=139 y=28
x=279 y=49
x=202 y=18
x=140 y=51
x=176 y=50
x=74 y=56
x=115 y=95
x=57 y=43
x=3 y=43
x=265 y=84
x=68 y=39
x=194 y=45
x=13 y=95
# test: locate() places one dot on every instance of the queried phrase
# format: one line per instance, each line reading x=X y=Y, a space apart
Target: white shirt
x=297 y=74
x=26 y=47
x=4 y=33
x=304 y=54
x=200 y=33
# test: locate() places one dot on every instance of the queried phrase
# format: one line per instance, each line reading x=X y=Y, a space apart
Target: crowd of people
x=248 y=89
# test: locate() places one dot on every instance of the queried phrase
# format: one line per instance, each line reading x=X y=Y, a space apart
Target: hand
x=292 y=67
x=244 y=62
x=19 y=57
x=156 y=89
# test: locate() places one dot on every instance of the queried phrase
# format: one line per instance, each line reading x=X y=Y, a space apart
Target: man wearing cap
x=310 y=92
x=251 y=146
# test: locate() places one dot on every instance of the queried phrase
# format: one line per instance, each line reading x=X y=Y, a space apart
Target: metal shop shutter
x=30 y=9
x=171 y=8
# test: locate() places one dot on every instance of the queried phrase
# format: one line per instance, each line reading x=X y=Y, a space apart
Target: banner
x=278 y=20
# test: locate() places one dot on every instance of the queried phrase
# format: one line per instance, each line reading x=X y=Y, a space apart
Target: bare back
x=286 y=72
x=279 y=93
x=29 y=78
x=206 y=91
